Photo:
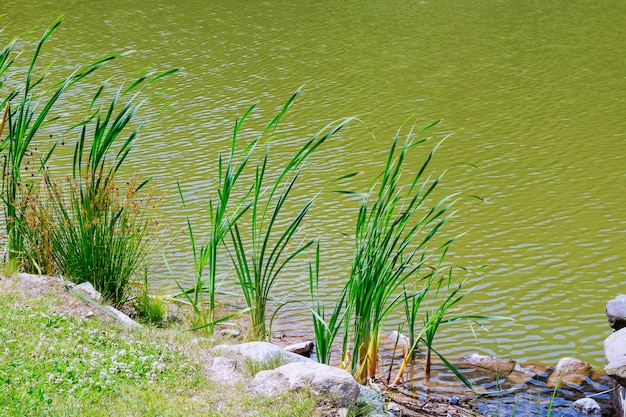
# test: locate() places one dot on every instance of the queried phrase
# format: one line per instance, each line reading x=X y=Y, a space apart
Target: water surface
x=534 y=92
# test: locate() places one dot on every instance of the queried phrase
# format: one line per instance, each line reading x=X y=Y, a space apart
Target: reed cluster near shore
x=88 y=225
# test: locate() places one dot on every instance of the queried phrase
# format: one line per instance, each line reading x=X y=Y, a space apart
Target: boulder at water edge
x=261 y=351
x=303 y=348
x=615 y=346
x=616 y=312
x=616 y=369
x=318 y=378
x=569 y=371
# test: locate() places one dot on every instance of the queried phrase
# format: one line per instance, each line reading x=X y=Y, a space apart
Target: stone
x=570 y=371
x=394 y=408
x=616 y=369
x=502 y=367
x=303 y=348
x=522 y=373
x=230 y=332
x=372 y=398
x=123 y=318
x=88 y=289
x=318 y=378
x=587 y=406
x=225 y=371
x=262 y=352
x=616 y=312
x=615 y=346
x=403 y=341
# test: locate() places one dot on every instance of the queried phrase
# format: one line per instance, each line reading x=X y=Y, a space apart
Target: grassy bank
x=61 y=357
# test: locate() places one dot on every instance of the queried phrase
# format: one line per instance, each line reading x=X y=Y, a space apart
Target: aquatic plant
x=84 y=226
x=223 y=213
x=325 y=328
x=25 y=113
x=259 y=260
x=394 y=227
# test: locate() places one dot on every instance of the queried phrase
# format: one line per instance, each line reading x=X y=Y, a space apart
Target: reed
x=26 y=111
x=325 y=329
x=394 y=227
x=260 y=259
x=223 y=213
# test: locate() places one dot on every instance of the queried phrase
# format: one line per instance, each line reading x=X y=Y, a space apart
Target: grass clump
x=85 y=226
x=253 y=367
x=150 y=309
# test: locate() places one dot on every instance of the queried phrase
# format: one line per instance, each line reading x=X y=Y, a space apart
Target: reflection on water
x=534 y=92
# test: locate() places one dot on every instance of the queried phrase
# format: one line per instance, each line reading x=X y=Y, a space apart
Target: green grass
x=60 y=365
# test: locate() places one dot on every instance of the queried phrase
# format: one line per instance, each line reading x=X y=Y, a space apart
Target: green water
x=534 y=92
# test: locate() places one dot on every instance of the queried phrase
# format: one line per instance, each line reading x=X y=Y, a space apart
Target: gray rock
x=372 y=398
x=615 y=346
x=499 y=365
x=394 y=408
x=320 y=379
x=230 y=332
x=123 y=318
x=522 y=373
x=587 y=406
x=616 y=369
x=616 y=312
x=261 y=351
x=303 y=348
x=402 y=340
x=88 y=289
x=569 y=371
x=225 y=371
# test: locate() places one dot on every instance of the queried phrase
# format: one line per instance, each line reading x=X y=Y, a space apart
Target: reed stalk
x=259 y=260
x=223 y=214
x=24 y=116
x=394 y=227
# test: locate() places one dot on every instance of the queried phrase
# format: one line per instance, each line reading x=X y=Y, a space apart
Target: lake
x=533 y=91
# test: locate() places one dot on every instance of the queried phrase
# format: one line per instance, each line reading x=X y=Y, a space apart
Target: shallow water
x=533 y=91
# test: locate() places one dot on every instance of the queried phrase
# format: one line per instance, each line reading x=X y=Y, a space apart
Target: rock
x=372 y=398
x=587 y=406
x=522 y=373
x=262 y=352
x=403 y=341
x=394 y=408
x=88 y=289
x=615 y=346
x=569 y=371
x=502 y=367
x=616 y=369
x=320 y=379
x=230 y=332
x=225 y=371
x=123 y=318
x=303 y=349
x=616 y=312
x=342 y=412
